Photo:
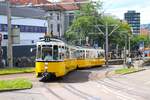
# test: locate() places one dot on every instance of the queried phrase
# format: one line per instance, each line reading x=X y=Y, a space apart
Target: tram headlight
x=46 y=65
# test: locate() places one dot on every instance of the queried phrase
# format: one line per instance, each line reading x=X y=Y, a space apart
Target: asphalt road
x=87 y=84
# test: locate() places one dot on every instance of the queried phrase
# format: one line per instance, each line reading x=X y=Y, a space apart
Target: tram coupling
x=46 y=76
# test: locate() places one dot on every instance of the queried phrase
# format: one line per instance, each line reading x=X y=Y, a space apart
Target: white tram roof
x=89 y=48
x=52 y=42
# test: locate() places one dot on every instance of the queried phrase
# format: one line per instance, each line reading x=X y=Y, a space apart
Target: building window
x=58 y=17
x=71 y=17
x=51 y=27
x=4 y=27
x=24 y=28
x=0 y=27
x=58 y=28
x=5 y=36
x=51 y=16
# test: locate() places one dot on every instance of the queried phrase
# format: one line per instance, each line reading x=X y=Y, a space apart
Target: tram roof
x=51 y=42
x=89 y=48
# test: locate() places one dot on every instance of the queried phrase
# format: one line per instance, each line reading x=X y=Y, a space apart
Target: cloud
x=119 y=7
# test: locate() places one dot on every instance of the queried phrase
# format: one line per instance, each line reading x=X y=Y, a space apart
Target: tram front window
x=47 y=53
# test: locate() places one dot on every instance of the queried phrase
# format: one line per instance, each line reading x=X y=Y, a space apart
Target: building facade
x=133 y=19
x=33 y=24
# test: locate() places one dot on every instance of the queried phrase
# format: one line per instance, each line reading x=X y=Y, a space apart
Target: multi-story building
x=33 y=23
x=133 y=19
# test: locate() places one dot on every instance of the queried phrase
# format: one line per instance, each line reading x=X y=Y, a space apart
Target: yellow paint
x=58 y=68
x=63 y=67
x=83 y=63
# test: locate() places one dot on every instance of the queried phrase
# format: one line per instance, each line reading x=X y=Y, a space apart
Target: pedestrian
x=129 y=62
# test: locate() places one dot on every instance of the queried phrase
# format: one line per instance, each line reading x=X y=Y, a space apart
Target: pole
x=129 y=45
x=49 y=26
x=106 y=41
x=125 y=48
x=9 y=47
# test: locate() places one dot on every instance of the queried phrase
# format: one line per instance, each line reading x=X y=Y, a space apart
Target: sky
x=119 y=7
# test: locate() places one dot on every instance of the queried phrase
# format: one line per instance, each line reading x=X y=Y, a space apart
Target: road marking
x=105 y=91
x=123 y=97
x=146 y=83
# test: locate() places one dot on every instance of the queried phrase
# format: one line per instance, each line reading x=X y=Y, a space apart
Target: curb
x=134 y=71
x=11 y=90
x=16 y=73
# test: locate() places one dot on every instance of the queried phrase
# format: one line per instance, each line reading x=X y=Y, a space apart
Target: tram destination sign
x=47 y=39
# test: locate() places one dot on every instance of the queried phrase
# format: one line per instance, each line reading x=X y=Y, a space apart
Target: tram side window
x=61 y=52
x=55 y=52
x=72 y=53
x=87 y=54
x=82 y=54
x=100 y=54
x=91 y=54
x=38 y=54
x=67 y=53
x=77 y=54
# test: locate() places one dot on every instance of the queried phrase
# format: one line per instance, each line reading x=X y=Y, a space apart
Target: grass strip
x=14 y=70
x=126 y=70
x=15 y=84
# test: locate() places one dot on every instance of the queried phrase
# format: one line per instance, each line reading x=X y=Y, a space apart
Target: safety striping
x=122 y=96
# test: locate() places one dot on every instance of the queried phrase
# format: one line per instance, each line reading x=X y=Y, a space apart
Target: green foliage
x=139 y=38
x=16 y=70
x=15 y=84
x=89 y=22
x=126 y=70
x=121 y=29
x=90 y=9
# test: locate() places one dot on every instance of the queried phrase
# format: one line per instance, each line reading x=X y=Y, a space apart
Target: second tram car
x=89 y=57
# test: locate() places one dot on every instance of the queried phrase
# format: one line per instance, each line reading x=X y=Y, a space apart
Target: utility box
x=16 y=35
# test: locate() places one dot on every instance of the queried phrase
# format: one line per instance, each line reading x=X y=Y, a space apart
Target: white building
x=32 y=23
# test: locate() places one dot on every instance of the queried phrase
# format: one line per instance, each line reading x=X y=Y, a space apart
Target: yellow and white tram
x=56 y=58
x=89 y=57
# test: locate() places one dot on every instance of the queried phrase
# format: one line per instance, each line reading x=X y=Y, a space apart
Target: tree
x=87 y=24
x=137 y=39
x=83 y=23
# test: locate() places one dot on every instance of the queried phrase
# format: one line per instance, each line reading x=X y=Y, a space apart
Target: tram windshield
x=50 y=52
x=47 y=52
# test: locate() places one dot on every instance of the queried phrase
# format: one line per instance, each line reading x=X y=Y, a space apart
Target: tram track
x=53 y=93
x=122 y=88
x=76 y=92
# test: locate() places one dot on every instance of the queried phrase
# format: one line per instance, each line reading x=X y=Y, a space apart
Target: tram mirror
x=32 y=49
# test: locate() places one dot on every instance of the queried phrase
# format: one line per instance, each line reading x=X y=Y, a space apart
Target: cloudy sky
x=119 y=7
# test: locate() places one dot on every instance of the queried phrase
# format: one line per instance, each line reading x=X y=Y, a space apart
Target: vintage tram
x=55 y=58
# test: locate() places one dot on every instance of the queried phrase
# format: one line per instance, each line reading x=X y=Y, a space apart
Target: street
x=86 y=84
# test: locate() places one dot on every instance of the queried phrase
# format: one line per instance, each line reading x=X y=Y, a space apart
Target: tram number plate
x=47 y=39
